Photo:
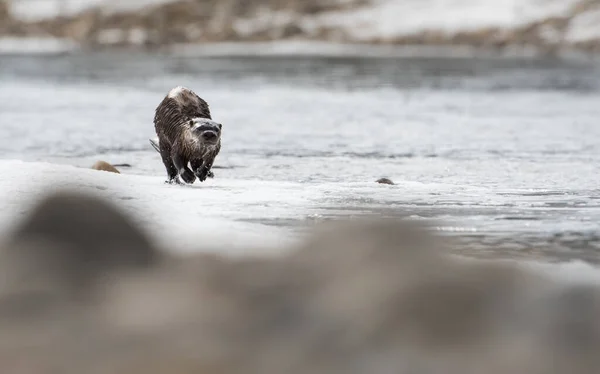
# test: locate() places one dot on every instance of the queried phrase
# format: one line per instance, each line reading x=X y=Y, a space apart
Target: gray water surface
x=505 y=152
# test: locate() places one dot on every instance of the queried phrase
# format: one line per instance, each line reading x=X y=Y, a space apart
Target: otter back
x=180 y=105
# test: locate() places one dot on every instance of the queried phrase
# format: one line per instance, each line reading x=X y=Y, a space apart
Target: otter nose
x=209 y=135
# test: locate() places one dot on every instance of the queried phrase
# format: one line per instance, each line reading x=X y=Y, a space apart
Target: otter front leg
x=181 y=164
x=201 y=169
x=165 y=154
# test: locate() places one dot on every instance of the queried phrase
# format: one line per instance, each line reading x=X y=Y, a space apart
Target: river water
x=503 y=152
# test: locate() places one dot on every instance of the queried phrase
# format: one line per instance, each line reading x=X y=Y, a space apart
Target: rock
x=105 y=166
x=385 y=181
x=77 y=238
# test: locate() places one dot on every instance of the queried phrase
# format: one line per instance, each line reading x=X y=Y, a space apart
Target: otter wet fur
x=186 y=134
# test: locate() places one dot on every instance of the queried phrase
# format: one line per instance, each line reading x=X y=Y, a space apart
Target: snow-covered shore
x=208 y=216
x=35 y=45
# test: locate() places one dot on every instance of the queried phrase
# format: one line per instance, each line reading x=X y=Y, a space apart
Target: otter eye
x=191 y=123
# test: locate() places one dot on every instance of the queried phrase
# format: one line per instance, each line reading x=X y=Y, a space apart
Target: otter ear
x=220 y=126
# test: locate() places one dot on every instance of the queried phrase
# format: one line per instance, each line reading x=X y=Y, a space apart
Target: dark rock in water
x=385 y=181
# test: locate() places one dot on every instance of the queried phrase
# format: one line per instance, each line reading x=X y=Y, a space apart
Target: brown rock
x=105 y=166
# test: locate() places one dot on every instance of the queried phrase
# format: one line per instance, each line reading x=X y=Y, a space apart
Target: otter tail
x=154 y=144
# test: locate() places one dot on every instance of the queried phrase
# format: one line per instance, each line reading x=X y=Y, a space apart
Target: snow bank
x=584 y=27
x=315 y=48
x=393 y=18
x=208 y=216
x=381 y=18
x=35 y=45
x=34 y=10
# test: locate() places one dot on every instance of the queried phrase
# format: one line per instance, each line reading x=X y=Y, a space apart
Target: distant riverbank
x=547 y=27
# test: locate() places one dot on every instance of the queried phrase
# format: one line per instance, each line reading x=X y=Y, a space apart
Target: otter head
x=206 y=130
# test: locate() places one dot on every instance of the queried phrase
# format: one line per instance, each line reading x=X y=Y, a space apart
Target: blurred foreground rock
x=83 y=290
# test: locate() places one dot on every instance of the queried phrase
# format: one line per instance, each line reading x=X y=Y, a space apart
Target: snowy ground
x=206 y=216
x=393 y=18
x=315 y=48
x=32 y=10
x=22 y=45
x=52 y=46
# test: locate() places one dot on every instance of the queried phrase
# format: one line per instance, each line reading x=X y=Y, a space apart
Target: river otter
x=186 y=133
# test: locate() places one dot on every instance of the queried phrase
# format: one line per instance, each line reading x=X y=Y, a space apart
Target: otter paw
x=210 y=174
x=202 y=174
x=188 y=177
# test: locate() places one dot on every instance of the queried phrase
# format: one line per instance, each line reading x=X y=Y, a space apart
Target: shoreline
x=349 y=28
x=29 y=46
x=267 y=228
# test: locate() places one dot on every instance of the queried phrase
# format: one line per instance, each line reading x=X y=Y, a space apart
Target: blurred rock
x=75 y=238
